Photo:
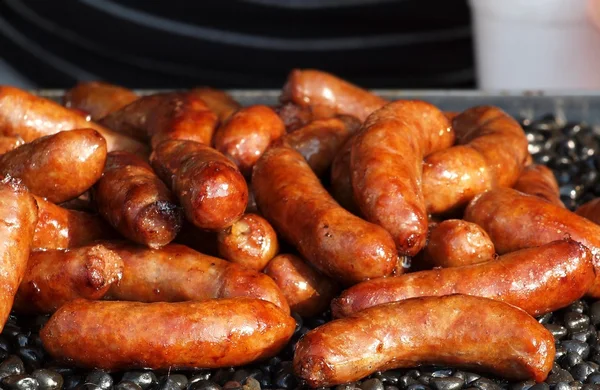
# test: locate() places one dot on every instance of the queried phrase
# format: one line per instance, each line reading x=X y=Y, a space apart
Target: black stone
x=372 y=384
x=143 y=379
x=127 y=385
x=98 y=380
x=20 y=382
x=448 y=383
x=48 y=379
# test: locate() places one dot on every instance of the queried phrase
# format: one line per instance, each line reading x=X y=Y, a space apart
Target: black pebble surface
x=572 y=150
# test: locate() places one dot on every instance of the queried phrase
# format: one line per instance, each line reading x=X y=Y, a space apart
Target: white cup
x=536 y=44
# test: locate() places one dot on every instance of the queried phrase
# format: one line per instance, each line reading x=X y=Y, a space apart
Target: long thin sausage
x=98 y=98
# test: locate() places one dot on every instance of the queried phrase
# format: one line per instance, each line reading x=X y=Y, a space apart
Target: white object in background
x=536 y=44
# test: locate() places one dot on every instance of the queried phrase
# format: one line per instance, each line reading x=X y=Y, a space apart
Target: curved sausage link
x=386 y=166
x=539 y=180
x=97 y=98
x=452 y=330
x=491 y=153
x=336 y=242
x=590 y=210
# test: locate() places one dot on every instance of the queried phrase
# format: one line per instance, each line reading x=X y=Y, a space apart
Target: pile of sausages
x=178 y=230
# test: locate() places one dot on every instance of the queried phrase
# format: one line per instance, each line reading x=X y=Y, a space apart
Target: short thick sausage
x=58 y=167
x=539 y=180
x=219 y=102
x=56 y=277
x=132 y=198
x=295 y=116
x=538 y=280
x=209 y=186
x=456 y=330
x=209 y=334
x=97 y=98
x=386 y=165
x=336 y=242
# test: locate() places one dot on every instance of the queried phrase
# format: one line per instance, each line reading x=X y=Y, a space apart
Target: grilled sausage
x=202 y=241
x=9 y=143
x=515 y=220
x=307 y=291
x=341 y=180
x=590 y=210
x=491 y=153
x=210 y=334
x=56 y=277
x=386 y=164
x=175 y=115
x=58 y=167
x=320 y=140
x=209 y=186
x=456 y=330
x=250 y=242
x=336 y=242
x=18 y=216
x=295 y=116
x=539 y=180
x=538 y=280
x=308 y=87
x=247 y=134
x=454 y=242
x=61 y=228
x=30 y=117
x=98 y=99
x=132 y=198
x=177 y=273
x=219 y=102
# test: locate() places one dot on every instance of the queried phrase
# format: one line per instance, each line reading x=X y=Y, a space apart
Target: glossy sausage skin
x=308 y=292
x=491 y=153
x=250 y=242
x=539 y=180
x=209 y=186
x=30 y=117
x=386 y=165
x=515 y=220
x=590 y=210
x=56 y=277
x=8 y=143
x=308 y=87
x=177 y=273
x=219 y=102
x=18 y=216
x=336 y=242
x=61 y=228
x=320 y=140
x=58 y=167
x=132 y=198
x=538 y=280
x=163 y=116
x=295 y=116
x=246 y=135
x=456 y=330
x=97 y=98
x=454 y=242
x=341 y=178
x=209 y=334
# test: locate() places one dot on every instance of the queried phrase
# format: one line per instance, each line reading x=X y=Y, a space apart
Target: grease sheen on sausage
x=386 y=166
x=8 y=143
x=98 y=98
x=590 y=210
x=539 y=180
x=538 y=280
x=336 y=242
x=456 y=330
x=219 y=102
x=209 y=334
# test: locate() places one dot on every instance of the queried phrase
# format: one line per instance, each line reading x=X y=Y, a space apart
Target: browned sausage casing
x=538 y=280
x=97 y=98
x=58 y=167
x=31 y=117
x=539 y=180
x=491 y=154
x=132 y=198
x=9 y=143
x=60 y=228
x=590 y=210
x=295 y=116
x=56 y=277
x=320 y=140
x=454 y=242
x=209 y=334
x=209 y=186
x=175 y=115
x=515 y=220
x=18 y=215
x=177 y=273
x=341 y=178
x=386 y=165
x=338 y=243
x=219 y=102
x=307 y=291
x=308 y=87
x=456 y=330
x=247 y=134
x=250 y=242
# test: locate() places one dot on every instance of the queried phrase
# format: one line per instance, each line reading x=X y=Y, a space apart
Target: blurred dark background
x=227 y=44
